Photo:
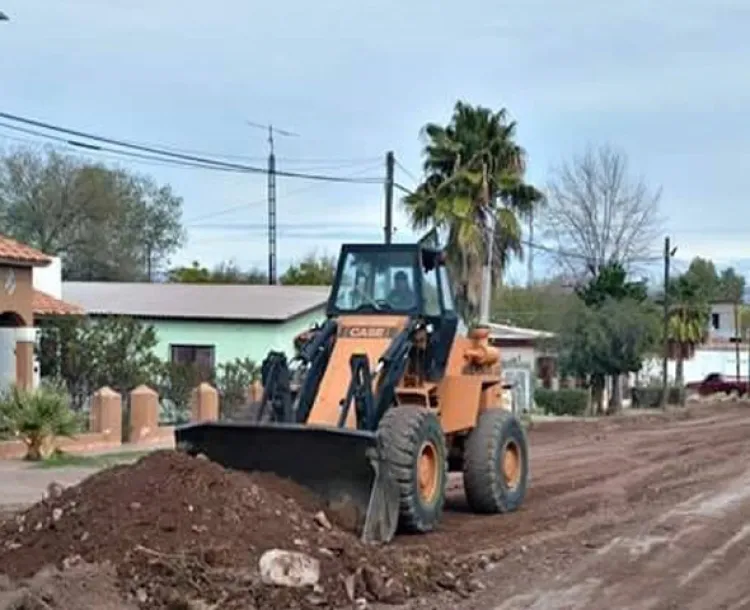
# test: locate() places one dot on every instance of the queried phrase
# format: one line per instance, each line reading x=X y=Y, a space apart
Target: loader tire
x=496 y=463
x=414 y=444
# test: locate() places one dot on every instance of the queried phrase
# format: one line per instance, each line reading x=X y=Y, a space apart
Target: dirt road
x=633 y=513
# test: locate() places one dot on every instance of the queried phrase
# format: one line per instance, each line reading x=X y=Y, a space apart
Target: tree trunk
x=597 y=393
x=34 y=445
x=679 y=376
x=615 y=400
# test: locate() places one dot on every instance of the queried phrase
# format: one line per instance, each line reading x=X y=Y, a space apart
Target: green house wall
x=233 y=339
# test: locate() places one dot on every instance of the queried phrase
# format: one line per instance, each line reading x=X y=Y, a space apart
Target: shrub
x=233 y=382
x=175 y=385
x=568 y=401
x=649 y=397
x=38 y=416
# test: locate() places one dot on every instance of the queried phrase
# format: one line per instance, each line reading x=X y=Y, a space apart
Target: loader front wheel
x=414 y=444
x=496 y=463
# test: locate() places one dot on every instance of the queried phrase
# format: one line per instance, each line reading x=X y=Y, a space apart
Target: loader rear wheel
x=413 y=441
x=496 y=463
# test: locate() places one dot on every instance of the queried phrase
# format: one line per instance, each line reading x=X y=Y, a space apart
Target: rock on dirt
x=185 y=532
x=289 y=569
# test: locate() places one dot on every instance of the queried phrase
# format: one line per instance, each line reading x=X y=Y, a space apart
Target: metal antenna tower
x=272 y=195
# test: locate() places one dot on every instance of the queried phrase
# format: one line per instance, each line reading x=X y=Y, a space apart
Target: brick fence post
x=106 y=414
x=204 y=403
x=144 y=414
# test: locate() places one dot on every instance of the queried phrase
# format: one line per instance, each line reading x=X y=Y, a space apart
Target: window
x=379 y=281
x=715 y=321
x=445 y=283
x=430 y=293
x=200 y=356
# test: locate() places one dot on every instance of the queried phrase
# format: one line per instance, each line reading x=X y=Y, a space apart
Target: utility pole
x=271 y=211
x=272 y=196
x=668 y=254
x=390 y=163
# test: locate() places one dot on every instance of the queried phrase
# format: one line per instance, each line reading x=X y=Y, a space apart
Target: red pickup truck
x=717 y=383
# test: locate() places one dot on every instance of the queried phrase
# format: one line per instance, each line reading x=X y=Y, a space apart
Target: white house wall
x=519 y=368
x=705 y=361
x=49 y=279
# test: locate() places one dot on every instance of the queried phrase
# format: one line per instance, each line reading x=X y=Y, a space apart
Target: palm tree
x=473 y=172
x=687 y=323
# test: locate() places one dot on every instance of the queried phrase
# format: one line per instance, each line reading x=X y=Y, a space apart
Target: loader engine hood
x=369 y=335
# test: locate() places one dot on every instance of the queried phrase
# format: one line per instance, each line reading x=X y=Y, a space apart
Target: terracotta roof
x=44 y=304
x=13 y=251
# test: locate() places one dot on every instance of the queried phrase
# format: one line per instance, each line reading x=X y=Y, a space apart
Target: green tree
x=87 y=354
x=611 y=282
x=474 y=173
x=105 y=224
x=542 y=307
x=227 y=272
x=311 y=271
x=714 y=285
x=688 y=321
x=703 y=275
x=731 y=286
x=607 y=341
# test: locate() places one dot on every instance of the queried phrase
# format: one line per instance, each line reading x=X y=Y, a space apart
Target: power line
x=407 y=172
x=184 y=157
x=244 y=206
x=103 y=149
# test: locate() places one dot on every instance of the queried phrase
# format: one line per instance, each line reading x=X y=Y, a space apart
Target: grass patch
x=104 y=460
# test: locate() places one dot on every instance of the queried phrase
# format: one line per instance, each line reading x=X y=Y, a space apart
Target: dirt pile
x=182 y=530
x=80 y=586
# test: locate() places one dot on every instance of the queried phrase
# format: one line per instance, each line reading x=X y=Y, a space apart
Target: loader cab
x=398 y=279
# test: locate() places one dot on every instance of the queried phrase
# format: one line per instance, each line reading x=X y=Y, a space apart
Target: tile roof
x=44 y=304
x=16 y=252
x=236 y=302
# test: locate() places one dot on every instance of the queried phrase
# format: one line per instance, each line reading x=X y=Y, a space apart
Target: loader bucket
x=342 y=466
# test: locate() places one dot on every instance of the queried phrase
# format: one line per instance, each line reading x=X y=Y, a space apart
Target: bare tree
x=596 y=213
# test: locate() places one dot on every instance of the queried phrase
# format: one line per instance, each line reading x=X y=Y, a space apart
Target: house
x=26 y=295
x=208 y=324
x=723 y=321
x=720 y=353
x=524 y=358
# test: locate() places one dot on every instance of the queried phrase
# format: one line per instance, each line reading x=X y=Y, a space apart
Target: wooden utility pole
x=390 y=165
x=669 y=252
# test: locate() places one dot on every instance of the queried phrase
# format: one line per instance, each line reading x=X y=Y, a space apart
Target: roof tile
x=16 y=252
x=44 y=304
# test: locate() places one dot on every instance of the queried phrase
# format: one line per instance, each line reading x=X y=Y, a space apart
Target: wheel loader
x=381 y=401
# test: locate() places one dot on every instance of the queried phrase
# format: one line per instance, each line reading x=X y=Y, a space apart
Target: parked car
x=715 y=383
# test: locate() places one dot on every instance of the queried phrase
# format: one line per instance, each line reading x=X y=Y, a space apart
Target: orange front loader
x=382 y=400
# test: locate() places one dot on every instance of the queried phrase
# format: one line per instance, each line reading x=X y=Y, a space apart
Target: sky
x=662 y=81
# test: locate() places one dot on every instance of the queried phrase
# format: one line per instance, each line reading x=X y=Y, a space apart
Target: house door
x=7 y=358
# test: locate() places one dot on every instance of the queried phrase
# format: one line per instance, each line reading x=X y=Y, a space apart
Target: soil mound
x=80 y=586
x=181 y=530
